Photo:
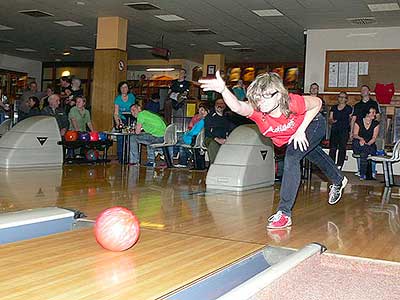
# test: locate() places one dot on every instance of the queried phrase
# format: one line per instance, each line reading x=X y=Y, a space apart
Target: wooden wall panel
x=383 y=67
x=107 y=75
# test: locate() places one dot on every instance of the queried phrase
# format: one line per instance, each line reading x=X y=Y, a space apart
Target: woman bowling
x=287 y=119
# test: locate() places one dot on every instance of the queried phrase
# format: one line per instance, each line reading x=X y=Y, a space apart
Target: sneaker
x=150 y=164
x=374 y=176
x=162 y=165
x=180 y=166
x=279 y=220
x=357 y=173
x=363 y=177
x=336 y=191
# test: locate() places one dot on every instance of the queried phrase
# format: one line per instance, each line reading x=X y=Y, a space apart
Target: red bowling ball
x=94 y=136
x=117 y=229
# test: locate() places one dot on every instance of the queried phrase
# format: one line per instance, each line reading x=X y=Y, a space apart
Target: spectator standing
x=339 y=118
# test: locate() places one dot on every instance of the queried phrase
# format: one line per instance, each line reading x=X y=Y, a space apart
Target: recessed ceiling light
x=58 y=59
x=68 y=23
x=229 y=43
x=244 y=49
x=66 y=53
x=80 y=48
x=384 y=7
x=2 y=27
x=25 y=49
x=201 y=31
x=368 y=34
x=160 y=69
x=169 y=18
x=142 y=6
x=142 y=46
x=267 y=12
x=80 y=3
x=36 y=13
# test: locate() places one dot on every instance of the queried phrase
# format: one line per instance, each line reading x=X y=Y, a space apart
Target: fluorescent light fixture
x=160 y=69
x=267 y=12
x=80 y=48
x=68 y=23
x=169 y=18
x=384 y=7
x=3 y=27
x=25 y=49
x=142 y=46
x=229 y=43
x=367 y=34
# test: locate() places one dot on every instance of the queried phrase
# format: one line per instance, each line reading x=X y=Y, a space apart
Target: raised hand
x=215 y=84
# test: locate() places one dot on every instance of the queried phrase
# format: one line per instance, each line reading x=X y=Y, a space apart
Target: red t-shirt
x=281 y=129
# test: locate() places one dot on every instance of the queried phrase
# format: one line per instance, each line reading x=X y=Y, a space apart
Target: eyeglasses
x=269 y=96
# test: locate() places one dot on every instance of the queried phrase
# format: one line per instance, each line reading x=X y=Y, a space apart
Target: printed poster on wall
x=333 y=74
x=353 y=74
x=363 y=68
x=343 y=73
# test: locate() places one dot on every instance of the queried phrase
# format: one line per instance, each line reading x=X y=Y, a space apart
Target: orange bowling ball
x=117 y=229
x=71 y=136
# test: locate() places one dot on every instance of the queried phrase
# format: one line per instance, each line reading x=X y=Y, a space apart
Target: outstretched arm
x=218 y=85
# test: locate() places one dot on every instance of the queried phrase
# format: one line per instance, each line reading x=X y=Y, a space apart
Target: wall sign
x=121 y=65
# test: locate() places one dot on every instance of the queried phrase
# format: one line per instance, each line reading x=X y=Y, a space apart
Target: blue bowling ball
x=84 y=136
x=102 y=136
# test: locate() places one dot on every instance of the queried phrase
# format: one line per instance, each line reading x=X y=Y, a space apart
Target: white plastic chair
x=170 y=139
x=198 y=150
x=5 y=126
x=387 y=162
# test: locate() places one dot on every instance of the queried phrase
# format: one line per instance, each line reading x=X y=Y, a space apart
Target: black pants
x=338 y=142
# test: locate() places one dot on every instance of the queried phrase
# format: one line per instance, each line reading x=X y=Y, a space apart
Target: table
x=125 y=142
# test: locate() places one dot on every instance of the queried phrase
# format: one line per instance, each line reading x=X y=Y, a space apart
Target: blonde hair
x=268 y=82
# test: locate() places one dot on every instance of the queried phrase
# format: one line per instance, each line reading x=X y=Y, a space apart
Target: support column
x=212 y=63
x=110 y=63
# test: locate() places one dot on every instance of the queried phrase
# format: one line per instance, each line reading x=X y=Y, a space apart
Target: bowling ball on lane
x=117 y=229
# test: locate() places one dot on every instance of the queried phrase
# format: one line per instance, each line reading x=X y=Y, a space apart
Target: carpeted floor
x=335 y=277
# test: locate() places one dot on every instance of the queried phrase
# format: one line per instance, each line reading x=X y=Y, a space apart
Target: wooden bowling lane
x=176 y=201
x=72 y=265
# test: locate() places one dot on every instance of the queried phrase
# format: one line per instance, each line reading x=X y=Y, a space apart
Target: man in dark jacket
x=217 y=128
x=54 y=110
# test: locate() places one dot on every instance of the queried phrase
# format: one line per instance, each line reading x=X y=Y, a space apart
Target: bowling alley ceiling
x=280 y=37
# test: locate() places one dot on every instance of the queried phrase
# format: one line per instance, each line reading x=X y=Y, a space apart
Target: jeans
x=338 y=141
x=364 y=152
x=184 y=153
x=143 y=138
x=314 y=153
